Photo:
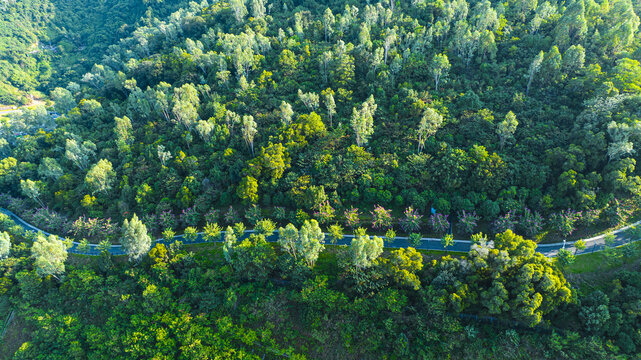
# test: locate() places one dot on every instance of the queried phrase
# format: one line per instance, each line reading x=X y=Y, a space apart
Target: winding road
x=593 y=244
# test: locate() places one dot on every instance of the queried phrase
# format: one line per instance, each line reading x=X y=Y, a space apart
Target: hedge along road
x=593 y=244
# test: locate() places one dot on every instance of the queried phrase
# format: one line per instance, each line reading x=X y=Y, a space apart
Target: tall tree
x=286 y=113
x=32 y=190
x=50 y=254
x=249 y=131
x=439 y=68
x=310 y=242
x=100 y=177
x=79 y=154
x=363 y=121
x=364 y=250
x=328 y=22
x=534 y=69
x=330 y=104
x=506 y=128
x=239 y=9
x=135 y=239
x=122 y=130
x=431 y=121
x=5 y=244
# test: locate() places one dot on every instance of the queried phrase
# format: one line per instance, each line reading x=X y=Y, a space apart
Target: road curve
x=593 y=244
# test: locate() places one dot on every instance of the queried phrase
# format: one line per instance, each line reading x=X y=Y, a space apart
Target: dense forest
x=517 y=119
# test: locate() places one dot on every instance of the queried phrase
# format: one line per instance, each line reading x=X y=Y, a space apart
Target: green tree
x=287 y=238
x=249 y=131
x=32 y=190
x=50 y=255
x=364 y=250
x=535 y=66
x=79 y=154
x=100 y=177
x=5 y=244
x=431 y=121
x=135 y=239
x=248 y=189
x=310 y=242
x=363 y=121
x=506 y=128
x=565 y=257
x=439 y=68
x=404 y=264
x=447 y=241
x=50 y=168
x=122 y=130
x=579 y=245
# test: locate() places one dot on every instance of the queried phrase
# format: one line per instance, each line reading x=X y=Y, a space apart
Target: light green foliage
x=239 y=229
x=335 y=233
x=287 y=238
x=212 y=232
x=248 y=189
x=431 y=121
x=249 y=131
x=228 y=246
x=439 y=68
x=50 y=255
x=50 y=168
x=447 y=240
x=32 y=189
x=79 y=154
x=286 y=113
x=363 y=121
x=135 y=239
x=364 y=250
x=123 y=133
x=506 y=128
x=168 y=234
x=310 y=242
x=100 y=177
x=404 y=264
x=390 y=236
x=191 y=233
x=579 y=245
x=265 y=227
x=5 y=244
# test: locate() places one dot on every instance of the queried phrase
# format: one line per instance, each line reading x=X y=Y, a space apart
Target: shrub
x=168 y=234
x=415 y=239
x=411 y=220
x=189 y=217
x=279 y=213
x=531 y=222
x=253 y=215
x=381 y=218
x=352 y=217
x=191 y=233
x=564 y=221
x=212 y=216
x=166 y=219
x=467 y=221
x=325 y=213
x=390 y=235
x=231 y=216
x=505 y=222
x=212 y=232
x=265 y=227
x=439 y=223
x=336 y=233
